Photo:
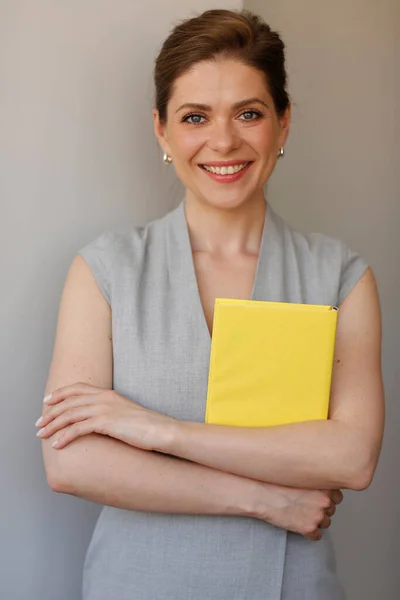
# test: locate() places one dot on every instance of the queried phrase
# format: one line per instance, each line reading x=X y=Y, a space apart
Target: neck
x=225 y=232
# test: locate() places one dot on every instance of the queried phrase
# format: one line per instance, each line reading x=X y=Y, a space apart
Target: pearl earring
x=281 y=152
x=167 y=159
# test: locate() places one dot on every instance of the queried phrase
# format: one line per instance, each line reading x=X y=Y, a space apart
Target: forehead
x=225 y=81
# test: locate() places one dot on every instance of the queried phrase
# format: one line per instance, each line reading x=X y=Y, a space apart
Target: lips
x=226 y=172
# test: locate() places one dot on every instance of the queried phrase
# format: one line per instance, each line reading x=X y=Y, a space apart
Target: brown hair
x=239 y=35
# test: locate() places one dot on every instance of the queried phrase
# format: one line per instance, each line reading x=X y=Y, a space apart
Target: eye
x=251 y=115
x=193 y=119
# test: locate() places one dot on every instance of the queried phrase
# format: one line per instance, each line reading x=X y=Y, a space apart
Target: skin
x=224 y=223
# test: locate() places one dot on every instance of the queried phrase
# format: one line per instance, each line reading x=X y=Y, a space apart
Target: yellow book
x=270 y=363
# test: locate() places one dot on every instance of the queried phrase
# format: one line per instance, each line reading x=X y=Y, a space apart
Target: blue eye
x=195 y=119
x=251 y=113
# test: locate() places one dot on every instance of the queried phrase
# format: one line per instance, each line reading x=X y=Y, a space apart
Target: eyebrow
x=196 y=106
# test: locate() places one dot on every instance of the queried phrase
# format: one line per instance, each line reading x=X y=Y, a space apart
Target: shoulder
x=314 y=246
x=115 y=254
x=325 y=260
x=125 y=242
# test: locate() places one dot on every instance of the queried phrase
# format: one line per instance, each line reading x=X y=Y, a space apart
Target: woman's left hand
x=81 y=409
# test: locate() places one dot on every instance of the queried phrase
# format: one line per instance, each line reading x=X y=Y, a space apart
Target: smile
x=226 y=174
x=230 y=170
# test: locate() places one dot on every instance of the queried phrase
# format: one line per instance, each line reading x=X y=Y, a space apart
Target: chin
x=229 y=201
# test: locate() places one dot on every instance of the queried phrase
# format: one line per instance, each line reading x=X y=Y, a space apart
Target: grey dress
x=161 y=347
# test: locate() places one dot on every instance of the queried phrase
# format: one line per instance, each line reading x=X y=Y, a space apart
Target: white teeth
x=226 y=170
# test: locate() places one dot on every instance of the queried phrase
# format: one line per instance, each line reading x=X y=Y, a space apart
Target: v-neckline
x=188 y=260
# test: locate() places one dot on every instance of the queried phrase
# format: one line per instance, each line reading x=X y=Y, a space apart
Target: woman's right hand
x=299 y=510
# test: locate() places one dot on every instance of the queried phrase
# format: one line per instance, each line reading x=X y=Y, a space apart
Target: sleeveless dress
x=161 y=347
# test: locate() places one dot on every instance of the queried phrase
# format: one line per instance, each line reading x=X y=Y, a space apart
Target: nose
x=223 y=137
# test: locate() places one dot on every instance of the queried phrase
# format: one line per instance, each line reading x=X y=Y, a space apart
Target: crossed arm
x=341 y=452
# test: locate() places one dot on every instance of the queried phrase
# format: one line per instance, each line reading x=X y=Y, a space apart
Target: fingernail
x=40 y=419
x=40 y=432
x=55 y=443
x=47 y=398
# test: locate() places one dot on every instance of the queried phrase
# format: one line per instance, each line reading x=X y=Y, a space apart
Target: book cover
x=270 y=363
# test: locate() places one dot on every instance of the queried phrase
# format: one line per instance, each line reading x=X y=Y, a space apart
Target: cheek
x=262 y=138
x=186 y=143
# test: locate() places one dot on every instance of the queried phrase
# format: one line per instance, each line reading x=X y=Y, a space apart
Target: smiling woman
x=229 y=121
x=235 y=517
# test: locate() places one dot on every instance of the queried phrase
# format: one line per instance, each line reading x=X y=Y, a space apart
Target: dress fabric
x=161 y=347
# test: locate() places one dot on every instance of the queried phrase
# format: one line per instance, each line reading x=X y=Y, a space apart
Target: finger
x=331 y=510
x=314 y=536
x=73 y=432
x=336 y=496
x=74 y=389
x=325 y=523
x=67 y=418
x=55 y=411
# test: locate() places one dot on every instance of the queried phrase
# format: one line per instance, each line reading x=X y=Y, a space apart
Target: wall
x=77 y=155
x=341 y=176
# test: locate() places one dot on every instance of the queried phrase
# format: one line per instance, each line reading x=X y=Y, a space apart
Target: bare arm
x=105 y=470
x=341 y=452
x=113 y=473
x=108 y=471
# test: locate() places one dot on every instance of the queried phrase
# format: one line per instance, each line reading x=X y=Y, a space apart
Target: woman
x=192 y=510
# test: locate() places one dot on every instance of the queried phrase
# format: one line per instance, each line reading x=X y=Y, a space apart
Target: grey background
x=77 y=156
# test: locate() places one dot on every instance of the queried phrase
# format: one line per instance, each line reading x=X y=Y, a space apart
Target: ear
x=284 y=123
x=160 y=131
